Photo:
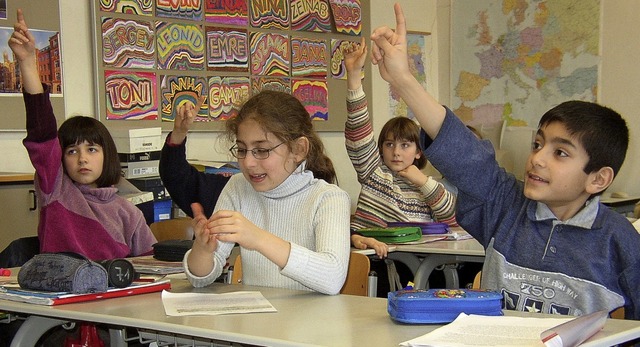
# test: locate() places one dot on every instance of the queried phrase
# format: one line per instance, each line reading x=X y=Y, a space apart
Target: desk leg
x=409 y=259
x=32 y=329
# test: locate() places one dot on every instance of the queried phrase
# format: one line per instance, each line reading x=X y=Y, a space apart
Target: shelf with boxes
x=139 y=153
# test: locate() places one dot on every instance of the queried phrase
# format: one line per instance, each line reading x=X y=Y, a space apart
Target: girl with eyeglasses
x=284 y=210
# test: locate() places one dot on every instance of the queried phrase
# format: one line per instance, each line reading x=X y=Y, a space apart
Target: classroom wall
x=619 y=81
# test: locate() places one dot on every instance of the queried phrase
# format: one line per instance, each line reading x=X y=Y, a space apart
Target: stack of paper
x=474 y=330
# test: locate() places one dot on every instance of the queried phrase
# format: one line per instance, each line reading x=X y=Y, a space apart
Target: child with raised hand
x=551 y=246
x=76 y=168
x=393 y=189
x=291 y=222
x=184 y=182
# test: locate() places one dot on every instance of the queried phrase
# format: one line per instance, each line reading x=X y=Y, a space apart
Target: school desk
x=423 y=258
x=303 y=319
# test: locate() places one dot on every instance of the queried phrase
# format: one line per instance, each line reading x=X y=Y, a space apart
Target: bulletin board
x=153 y=55
x=43 y=18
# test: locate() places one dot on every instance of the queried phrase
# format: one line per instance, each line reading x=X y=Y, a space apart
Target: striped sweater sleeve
x=358 y=132
x=441 y=201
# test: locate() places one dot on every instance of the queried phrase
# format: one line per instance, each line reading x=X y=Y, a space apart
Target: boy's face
x=399 y=154
x=83 y=162
x=554 y=171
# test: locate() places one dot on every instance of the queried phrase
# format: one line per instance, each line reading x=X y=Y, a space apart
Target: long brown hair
x=283 y=115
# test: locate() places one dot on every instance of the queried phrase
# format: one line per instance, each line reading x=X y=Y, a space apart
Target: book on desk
x=11 y=291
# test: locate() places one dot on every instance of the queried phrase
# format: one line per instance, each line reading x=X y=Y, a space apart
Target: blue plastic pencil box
x=441 y=305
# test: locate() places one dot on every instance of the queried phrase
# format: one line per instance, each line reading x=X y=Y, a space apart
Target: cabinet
x=18 y=210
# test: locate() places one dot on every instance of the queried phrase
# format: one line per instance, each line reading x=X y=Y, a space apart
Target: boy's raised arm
x=23 y=45
x=389 y=52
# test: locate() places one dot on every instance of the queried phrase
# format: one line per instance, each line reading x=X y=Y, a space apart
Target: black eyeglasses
x=258 y=153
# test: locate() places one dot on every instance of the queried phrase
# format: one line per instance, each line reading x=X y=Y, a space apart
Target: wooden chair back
x=172 y=229
x=356 y=283
x=616 y=314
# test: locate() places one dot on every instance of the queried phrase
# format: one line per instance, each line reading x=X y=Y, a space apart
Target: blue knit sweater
x=588 y=263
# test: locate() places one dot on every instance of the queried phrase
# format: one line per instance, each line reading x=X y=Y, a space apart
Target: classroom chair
x=19 y=251
x=358 y=279
x=172 y=229
x=616 y=314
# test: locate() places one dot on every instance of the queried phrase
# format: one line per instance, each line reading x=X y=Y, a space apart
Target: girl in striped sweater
x=393 y=187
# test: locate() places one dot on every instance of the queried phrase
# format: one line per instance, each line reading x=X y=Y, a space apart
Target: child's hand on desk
x=362 y=242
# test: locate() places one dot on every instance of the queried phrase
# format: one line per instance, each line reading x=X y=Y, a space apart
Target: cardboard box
x=140 y=156
x=137 y=140
x=151 y=184
x=139 y=169
x=161 y=210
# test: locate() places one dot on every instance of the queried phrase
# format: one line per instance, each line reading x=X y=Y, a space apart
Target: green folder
x=393 y=234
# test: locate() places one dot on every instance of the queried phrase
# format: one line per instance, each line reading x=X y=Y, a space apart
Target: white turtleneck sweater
x=310 y=213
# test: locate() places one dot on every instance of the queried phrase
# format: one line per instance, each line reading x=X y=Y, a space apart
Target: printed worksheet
x=194 y=304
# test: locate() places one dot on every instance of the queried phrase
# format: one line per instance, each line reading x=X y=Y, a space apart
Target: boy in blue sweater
x=551 y=246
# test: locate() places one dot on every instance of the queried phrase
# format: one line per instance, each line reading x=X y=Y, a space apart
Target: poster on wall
x=513 y=63
x=418 y=48
x=48 y=53
x=220 y=51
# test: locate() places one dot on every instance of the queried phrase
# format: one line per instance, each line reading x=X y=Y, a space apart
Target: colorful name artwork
x=226 y=96
x=179 y=89
x=337 y=55
x=347 y=15
x=180 y=46
x=308 y=58
x=314 y=95
x=137 y=7
x=127 y=43
x=270 y=14
x=227 y=49
x=182 y=9
x=269 y=54
x=131 y=95
x=277 y=84
x=232 y=12
x=311 y=15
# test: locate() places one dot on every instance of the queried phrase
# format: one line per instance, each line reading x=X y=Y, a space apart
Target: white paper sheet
x=475 y=330
x=197 y=304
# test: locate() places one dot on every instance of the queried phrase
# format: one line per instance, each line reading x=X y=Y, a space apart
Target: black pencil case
x=171 y=250
x=63 y=272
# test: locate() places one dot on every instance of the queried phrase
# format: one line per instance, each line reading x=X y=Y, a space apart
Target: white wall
x=619 y=86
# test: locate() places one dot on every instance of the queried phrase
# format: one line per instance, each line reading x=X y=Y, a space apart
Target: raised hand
x=355 y=56
x=186 y=112
x=389 y=50
x=22 y=42
x=23 y=45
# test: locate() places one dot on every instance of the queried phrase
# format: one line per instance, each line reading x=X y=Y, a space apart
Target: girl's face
x=83 y=162
x=264 y=174
x=399 y=154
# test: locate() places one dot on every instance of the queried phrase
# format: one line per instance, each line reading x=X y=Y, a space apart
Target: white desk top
x=303 y=319
x=460 y=247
